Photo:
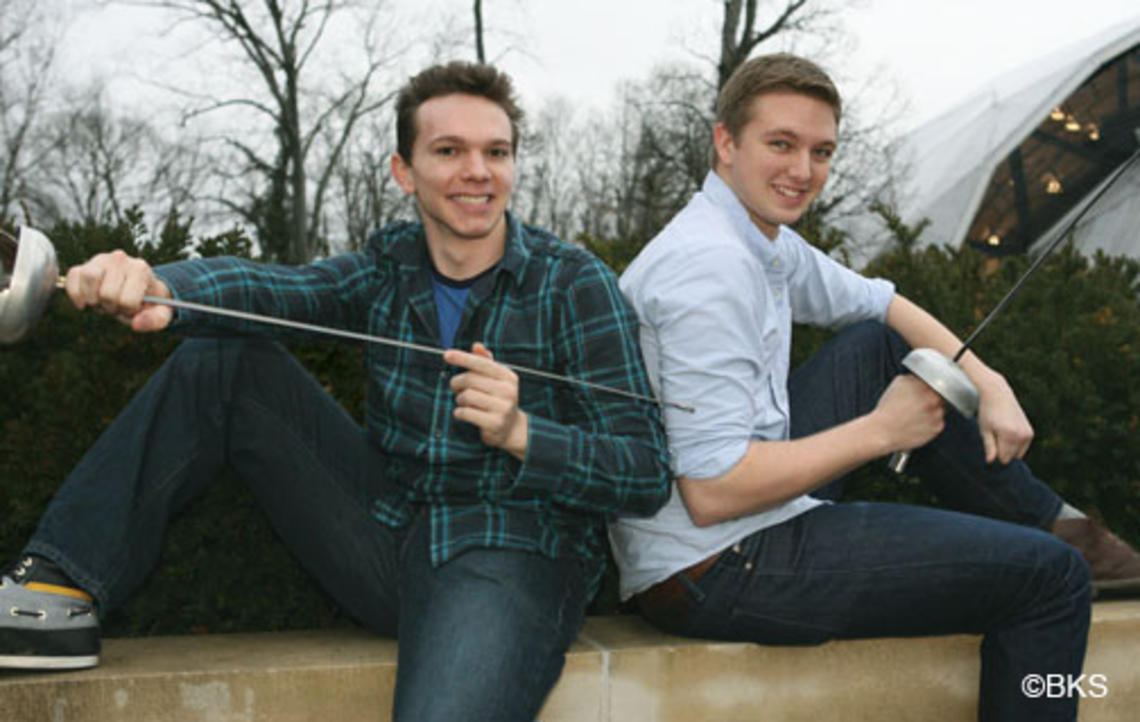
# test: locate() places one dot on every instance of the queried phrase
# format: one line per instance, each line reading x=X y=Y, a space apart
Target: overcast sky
x=936 y=51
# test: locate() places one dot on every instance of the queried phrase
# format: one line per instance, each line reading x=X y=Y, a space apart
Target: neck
x=766 y=228
x=459 y=258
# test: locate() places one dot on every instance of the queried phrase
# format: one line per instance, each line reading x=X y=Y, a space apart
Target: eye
x=500 y=152
x=823 y=154
x=446 y=150
x=780 y=145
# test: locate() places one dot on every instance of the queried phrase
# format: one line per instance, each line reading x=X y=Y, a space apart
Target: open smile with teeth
x=472 y=200
x=791 y=193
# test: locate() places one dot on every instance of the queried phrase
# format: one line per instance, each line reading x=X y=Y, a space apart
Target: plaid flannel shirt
x=590 y=455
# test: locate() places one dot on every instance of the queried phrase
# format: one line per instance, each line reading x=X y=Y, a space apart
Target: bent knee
x=876 y=337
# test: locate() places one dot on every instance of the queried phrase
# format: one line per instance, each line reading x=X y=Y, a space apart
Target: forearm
x=318 y=293
x=1005 y=429
x=621 y=472
x=774 y=472
x=922 y=330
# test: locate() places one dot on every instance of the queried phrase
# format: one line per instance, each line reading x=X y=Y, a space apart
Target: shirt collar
x=404 y=243
x=516 y=254
x=723 y=197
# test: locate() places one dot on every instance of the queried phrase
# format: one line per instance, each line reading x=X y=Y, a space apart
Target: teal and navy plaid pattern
x=549 y=306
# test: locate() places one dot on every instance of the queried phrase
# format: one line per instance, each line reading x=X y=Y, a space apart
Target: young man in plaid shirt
x=467 y=516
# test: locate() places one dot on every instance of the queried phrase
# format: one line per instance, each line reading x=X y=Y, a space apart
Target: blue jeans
x=481 y=637
x=850 y=570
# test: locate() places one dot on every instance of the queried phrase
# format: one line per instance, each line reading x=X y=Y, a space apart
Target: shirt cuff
x=178 y=282
x=548 y=451
x=882 y=291
x=709 y=459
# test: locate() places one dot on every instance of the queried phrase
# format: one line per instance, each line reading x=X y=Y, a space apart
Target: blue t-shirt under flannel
x=450 y=297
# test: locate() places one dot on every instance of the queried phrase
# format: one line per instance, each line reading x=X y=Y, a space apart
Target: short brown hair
x=769 y=74
x=455 y=77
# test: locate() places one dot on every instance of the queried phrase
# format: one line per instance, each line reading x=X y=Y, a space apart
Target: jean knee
x=225 y=352
x=1070 y=568
x=875 y=338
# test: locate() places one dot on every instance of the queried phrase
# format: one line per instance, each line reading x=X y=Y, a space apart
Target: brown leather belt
x=664 y=595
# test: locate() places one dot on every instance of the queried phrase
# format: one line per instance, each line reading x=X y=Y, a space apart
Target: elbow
x=703 y=519
x=701 y=501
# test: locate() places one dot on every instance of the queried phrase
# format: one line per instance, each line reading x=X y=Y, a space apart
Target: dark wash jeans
x=482 y=637
x=850 y=570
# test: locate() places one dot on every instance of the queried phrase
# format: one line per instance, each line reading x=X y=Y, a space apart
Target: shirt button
x=748 y=566
x=443 y=374
x=439 y=434
x=736 y=548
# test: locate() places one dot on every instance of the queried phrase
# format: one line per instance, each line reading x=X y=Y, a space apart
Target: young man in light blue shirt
x=750 y=546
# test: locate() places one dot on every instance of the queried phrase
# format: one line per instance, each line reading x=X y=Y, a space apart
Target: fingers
x=913 y=412
x=486 y=392
x=480 y=360
x=1006 y=444
x=482 y=410
x=990 y=444
x=115 y=284
x=487 y=396
x=1006 y=431
x=152 y=318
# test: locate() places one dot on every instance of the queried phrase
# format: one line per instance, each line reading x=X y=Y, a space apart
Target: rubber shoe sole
x=35 y=662
x=46 y=630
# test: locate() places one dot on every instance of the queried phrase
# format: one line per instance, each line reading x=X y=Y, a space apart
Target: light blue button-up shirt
x=717 y=300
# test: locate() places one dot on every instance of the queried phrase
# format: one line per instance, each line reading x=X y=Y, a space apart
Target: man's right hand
x=910 y=412
x=115 y=283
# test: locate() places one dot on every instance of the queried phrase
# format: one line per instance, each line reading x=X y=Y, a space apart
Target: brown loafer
x=1114 y=563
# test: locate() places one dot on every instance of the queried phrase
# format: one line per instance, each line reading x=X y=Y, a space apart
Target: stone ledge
x=619 y=670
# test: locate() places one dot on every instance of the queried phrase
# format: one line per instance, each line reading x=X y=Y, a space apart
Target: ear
x=724 y=144
x=402 y=172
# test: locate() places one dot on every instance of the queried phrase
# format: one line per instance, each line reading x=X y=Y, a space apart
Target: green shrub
x=1069 y=344
x=222 y=568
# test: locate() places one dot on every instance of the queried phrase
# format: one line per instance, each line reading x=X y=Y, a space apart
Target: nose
x=800 y=166
x=475 y=166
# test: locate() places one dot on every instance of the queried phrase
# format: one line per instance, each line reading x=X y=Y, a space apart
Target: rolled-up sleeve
x=827 y=293
x=703 y=337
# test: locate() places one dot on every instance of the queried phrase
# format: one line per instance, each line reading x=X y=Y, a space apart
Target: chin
x=474 y=233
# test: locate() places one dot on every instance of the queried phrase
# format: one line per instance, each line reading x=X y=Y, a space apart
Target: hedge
x=1070 y=345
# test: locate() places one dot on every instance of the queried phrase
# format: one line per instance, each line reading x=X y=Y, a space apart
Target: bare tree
x=480 y=54
x=94 y=165
x=637 y=169
x=287 y=206
x=26 y=58
x=739 y=36
x=546 y=194
x=366 y=194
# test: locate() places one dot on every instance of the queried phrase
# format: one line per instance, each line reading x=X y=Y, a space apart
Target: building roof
x=1004 y=167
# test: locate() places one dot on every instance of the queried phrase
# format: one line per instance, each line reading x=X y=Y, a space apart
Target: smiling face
x=461 y=171
x=779 y=160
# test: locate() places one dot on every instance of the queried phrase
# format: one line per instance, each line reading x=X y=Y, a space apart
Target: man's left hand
x=1006 y=431
x=487 y=395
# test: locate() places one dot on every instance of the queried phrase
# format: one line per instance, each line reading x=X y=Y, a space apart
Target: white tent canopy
x=950 y=160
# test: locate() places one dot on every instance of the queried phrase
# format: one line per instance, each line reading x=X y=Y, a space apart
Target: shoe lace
x=17 y=612
x=19 y=569
x=42 y=614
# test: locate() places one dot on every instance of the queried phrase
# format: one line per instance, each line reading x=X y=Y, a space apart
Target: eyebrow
x=465 y=141
x=788 y=133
